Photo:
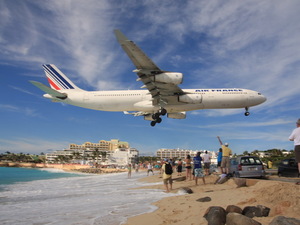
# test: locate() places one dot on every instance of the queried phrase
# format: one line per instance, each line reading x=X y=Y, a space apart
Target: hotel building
x=182 y=154
x=106 y=152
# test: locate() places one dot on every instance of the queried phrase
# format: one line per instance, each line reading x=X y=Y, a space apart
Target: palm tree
x=103 y=155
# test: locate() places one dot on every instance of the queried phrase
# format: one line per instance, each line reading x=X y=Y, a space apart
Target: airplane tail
x=56 y=78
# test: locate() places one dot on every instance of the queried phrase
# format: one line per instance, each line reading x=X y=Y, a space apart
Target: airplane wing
x=161 y=84
x=53 y=93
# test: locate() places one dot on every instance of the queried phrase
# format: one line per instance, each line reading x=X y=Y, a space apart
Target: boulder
x=233 y=208
x=205 y=199
x=281 y=220
x=258 y=211
x=239 y=219
x=215 y=215
x=240 y=182
x=186 y=190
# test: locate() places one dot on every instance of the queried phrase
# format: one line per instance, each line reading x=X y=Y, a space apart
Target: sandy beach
x=281 y=197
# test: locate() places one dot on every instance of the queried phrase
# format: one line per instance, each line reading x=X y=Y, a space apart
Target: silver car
x=247 y=166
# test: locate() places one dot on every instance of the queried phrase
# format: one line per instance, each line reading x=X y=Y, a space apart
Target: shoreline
x=283 y=199
x=66 y=167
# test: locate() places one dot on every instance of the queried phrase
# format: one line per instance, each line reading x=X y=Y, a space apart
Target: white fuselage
x=141 y=100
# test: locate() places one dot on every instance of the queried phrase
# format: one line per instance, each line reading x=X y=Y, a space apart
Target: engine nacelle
x=190 y=98
x=180 y=115
x=148 y=117
x=169 y=78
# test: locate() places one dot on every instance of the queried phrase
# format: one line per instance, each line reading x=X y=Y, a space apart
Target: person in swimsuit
x=188 y=166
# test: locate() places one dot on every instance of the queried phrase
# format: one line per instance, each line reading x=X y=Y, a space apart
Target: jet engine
x=180 y=115
x=169 y=78
x=148 y=117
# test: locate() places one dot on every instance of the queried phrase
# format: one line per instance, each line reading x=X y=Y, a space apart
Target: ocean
x=50 y=196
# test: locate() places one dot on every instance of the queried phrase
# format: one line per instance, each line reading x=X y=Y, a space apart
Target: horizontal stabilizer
x=50 y=91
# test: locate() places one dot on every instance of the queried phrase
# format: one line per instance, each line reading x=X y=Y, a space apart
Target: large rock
x=215 y=215
x=185 y=190
x=233 y=208
x=281 y=220
x=239 y=219
x=205 y=199
x=258 y=211
x=240 y=182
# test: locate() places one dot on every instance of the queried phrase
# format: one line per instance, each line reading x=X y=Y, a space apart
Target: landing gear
x=156 y=117
x=247 y=112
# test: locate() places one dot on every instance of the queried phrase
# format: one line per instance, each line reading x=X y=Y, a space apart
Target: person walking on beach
x=129 y=168
x=188 y=166
x=167 y=175
x=219 y=160
x=150 y=169
x=198 y=168
x=206 y=161
x=226 y=151
x=295 y=136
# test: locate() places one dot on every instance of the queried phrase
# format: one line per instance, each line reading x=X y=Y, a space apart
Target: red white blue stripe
x=57 y=79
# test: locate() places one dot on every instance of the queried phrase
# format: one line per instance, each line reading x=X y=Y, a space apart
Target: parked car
x=247 y=166
x=288 y=168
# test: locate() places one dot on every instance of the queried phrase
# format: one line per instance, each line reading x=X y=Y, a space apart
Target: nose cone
x=262 y=98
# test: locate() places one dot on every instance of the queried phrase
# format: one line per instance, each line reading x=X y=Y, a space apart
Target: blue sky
x=215 y=44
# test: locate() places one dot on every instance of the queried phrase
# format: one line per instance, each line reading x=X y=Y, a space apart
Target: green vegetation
x=274 y=155
x=21 y=157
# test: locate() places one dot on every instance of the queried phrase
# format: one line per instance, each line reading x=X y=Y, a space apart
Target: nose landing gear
x=247 y=112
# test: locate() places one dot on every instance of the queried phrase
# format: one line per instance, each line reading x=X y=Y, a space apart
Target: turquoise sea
x=10 y=175
x=51 y=196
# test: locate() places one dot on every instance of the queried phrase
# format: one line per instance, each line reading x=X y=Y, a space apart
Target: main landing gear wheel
x=153 y=123
x=156 y=117
x=163 y=112
x=247 y=112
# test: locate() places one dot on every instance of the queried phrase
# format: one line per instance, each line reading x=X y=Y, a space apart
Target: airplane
x=162 y=95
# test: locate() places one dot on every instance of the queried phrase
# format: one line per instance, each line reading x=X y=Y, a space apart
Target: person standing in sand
x=179 y=168
x=188 y=166
x=226 y=151
x=150 y=169
x=219 y=160
x=198 y=168
x=295 y=136
x=167 y=175
x=206 y=160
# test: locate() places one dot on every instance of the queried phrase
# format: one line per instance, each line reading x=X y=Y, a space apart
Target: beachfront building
x=182 y=154
x=95 y=153
x=123 y=157
x=102 y=145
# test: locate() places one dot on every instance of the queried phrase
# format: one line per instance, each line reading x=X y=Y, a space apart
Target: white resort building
x=112 y=152
x=182 y=154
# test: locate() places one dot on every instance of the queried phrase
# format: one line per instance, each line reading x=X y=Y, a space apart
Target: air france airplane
x=162 y=95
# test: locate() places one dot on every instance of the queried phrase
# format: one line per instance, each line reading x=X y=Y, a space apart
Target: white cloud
x=32 y=146
x=17 y=109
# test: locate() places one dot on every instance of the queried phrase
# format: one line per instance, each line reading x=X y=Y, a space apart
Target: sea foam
x=92 y=199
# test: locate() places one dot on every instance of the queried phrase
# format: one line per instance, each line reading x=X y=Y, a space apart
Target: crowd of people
x=199 y=166
x=195 y=167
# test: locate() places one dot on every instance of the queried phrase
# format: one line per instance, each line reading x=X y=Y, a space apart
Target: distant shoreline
x=66 y=167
